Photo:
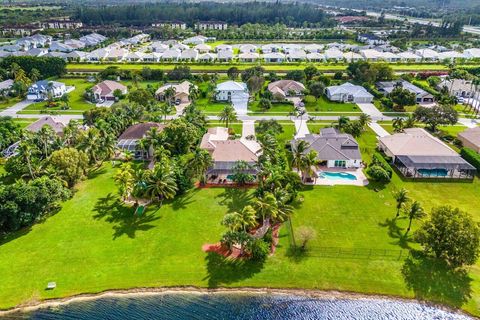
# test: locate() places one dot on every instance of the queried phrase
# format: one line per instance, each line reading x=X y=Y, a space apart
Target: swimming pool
x=337 y=176
x=433 y=172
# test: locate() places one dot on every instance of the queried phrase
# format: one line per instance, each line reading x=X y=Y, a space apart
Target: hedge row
x=378 y=159
x=471 y=156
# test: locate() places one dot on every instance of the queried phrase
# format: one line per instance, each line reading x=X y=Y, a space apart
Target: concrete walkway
x=379 y=130
x=372 y=111
x=248 y=128
x=301 y=128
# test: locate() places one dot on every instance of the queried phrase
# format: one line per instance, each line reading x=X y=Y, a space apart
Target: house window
x=340 y=163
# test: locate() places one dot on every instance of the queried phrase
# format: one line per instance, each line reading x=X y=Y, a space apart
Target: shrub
x=379 y=160
x=259 y=249
x=378 y=173
x=471 y=156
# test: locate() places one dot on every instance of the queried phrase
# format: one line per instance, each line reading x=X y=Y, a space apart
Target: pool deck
x=360 y=182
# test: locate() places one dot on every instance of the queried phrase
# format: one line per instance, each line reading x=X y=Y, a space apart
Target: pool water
x=337 y=176
x=433 y=172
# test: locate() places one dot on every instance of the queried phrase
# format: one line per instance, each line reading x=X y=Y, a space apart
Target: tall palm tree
x=409 y=121
x=415 y=211
x=200 y=162
x=169 y=93
x=124 y=178
x=266 y=205
x=160 y=183
x=308 y=163
x=26 y=152
x=153 y=137
x=401 y=197
x=165 y=110
x=47 y=137
x=34 y=75
x=298 y=150
x=228 y=115
x=241 y=221
x=365 y=120
x=398 y=124
x=342 y=122
x=90 y=144
x=193 y=93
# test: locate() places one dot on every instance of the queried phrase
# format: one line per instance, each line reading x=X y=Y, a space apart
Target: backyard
x=94 y=243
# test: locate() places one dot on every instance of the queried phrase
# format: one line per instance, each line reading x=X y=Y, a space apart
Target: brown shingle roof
x=139 y=130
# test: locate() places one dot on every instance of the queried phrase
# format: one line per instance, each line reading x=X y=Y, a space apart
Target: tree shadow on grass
x=433 y=280
x=183 y=201
x=224 y=271
x=235 y=198
x=96 y=172
x=123 y=217
x=395 y=232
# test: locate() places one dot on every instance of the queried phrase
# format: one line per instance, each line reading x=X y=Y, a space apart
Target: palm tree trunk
x=409 y=226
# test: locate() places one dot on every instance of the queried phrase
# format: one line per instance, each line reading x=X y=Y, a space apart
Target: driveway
x=372 y=111
x=12 y=111
x=248 y=128
x=106 y=103
x=379 y=130
x=301 y=128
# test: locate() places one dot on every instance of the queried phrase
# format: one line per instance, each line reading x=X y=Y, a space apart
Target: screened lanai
x=438 y=167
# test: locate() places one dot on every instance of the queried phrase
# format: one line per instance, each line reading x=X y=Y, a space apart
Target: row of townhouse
x=200 y=25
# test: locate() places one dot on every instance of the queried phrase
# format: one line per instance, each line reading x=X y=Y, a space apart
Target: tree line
x=291 y=14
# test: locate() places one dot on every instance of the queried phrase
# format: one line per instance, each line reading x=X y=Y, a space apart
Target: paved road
x=12 y=111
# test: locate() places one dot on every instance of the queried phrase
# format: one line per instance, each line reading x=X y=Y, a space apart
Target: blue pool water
x=433 y=172
x=337 y=176
x=239 y=306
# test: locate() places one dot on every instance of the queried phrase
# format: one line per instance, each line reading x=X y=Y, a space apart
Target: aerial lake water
x=238 y=306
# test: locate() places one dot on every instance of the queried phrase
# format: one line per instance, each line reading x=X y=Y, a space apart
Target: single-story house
x=282 y=89
x=271 y=47
x=207 y=57
x=335 y=149
x=223 y=47
x=195 y=40
x=459 y=88
x=473 y=53
x=418 y=154
x=296 y=55
x=248 y=57
x=315 y=57
x=422 y=96
x=225 y=55
x=371 y=39
x=274 y=57
x=333 y=54
x=409 y=56
x=427 y=54
x=171 y=55
x=189 y=55
x=76 y=56
x=105 y=89
x=129 y=139
x=182 y=92
x=203 y=48
x=227 y=153
x=313 y=47
x=52 y=122
x=470 y=138
x=234 y=92
x=351 y=56
x=348 y=92
x=244 y=48
x=6 y=87
x=41 y=90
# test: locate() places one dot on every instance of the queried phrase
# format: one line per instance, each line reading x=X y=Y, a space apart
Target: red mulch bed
x=235 y=252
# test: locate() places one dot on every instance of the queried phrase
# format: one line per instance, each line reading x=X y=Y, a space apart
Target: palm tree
x=200 y=162
x=165 y=110
x=398 y=124
x=34 y=75
x=364 y=120
x=160 y=183
x=415 y=211
x=266 y=205
x=90 y=144
x=308 y=163
x=136 y=78
x=193 y=93
x=401 y=196
x=46 y=136
x=26 y=152
x=153 y=137
x=241 y=221
x=409 y=121
x=169 y=93
x=125 y=180
x=342 y=122
x=298 y=150
x=228 y=115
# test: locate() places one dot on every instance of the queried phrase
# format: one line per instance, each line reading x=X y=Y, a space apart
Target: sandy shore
x=135 y=292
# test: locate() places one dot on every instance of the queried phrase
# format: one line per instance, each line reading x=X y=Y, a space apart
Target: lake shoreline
x=151 y=291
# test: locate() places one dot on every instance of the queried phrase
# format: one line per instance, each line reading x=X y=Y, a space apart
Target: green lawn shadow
x=225 y=271
x=433 y=280
x=125 y=222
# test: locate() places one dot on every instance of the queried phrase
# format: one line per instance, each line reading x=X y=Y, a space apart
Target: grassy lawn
x=208 y=106
x=9 y=103
x=77 y=102
x=24 y=122
x=197 y=67
x=281 y=108
x=94 y=243
x=322 y=104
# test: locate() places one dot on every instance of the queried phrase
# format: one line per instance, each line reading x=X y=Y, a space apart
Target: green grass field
x=95 y=243
x=9 y=103
x=281 y=108
x=322 y=104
